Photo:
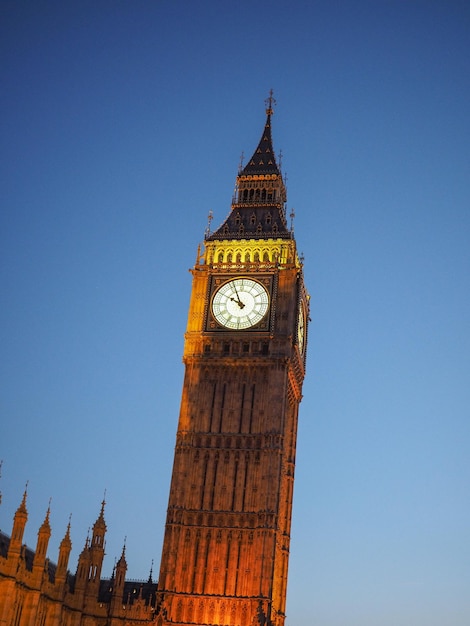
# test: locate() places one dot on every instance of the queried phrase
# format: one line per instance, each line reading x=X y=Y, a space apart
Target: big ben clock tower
x=226 y=545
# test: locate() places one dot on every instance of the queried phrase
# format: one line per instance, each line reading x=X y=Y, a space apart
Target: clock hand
x=240 y=303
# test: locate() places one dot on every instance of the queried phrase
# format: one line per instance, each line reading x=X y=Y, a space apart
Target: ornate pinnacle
x=292 y=215
x=209 y=220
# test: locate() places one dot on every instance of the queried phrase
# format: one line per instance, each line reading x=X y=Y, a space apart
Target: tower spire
x=263 y=160
x=258 y=207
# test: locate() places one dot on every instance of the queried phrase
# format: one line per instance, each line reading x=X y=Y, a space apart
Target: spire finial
x=48 y=512
x=240 y=166
x=210 y=217
x=269 y=102
x=22 y=506
x=103 y=504
x=67 y=532
x=292 y=215
x=66 y=541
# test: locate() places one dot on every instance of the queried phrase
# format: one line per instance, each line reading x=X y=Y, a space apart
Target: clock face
x=240 y=303
x=301 y=329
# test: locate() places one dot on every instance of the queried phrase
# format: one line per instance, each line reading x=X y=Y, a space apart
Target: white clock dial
x=240 y=303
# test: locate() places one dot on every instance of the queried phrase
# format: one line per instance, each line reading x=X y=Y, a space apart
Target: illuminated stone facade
x=37 y=592
x=227 y=535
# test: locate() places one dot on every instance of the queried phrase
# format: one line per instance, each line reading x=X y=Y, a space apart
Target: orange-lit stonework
x=37 y=592
x=226 y=545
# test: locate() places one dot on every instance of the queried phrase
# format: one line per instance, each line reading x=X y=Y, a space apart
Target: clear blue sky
x=122 y=125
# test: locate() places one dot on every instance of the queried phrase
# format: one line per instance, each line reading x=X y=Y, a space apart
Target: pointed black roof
x=263 y=160
x=258 y=208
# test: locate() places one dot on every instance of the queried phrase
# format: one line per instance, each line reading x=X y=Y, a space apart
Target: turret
x=97 y=547
x=119 y=580
x=83 y=568
x=64 y=553
x=121 y=569
x=44 y=534
x=19 y=524
x=90 y=560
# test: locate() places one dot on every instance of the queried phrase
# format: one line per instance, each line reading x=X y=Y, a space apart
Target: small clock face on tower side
x=301 y=329
x=240 y=303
